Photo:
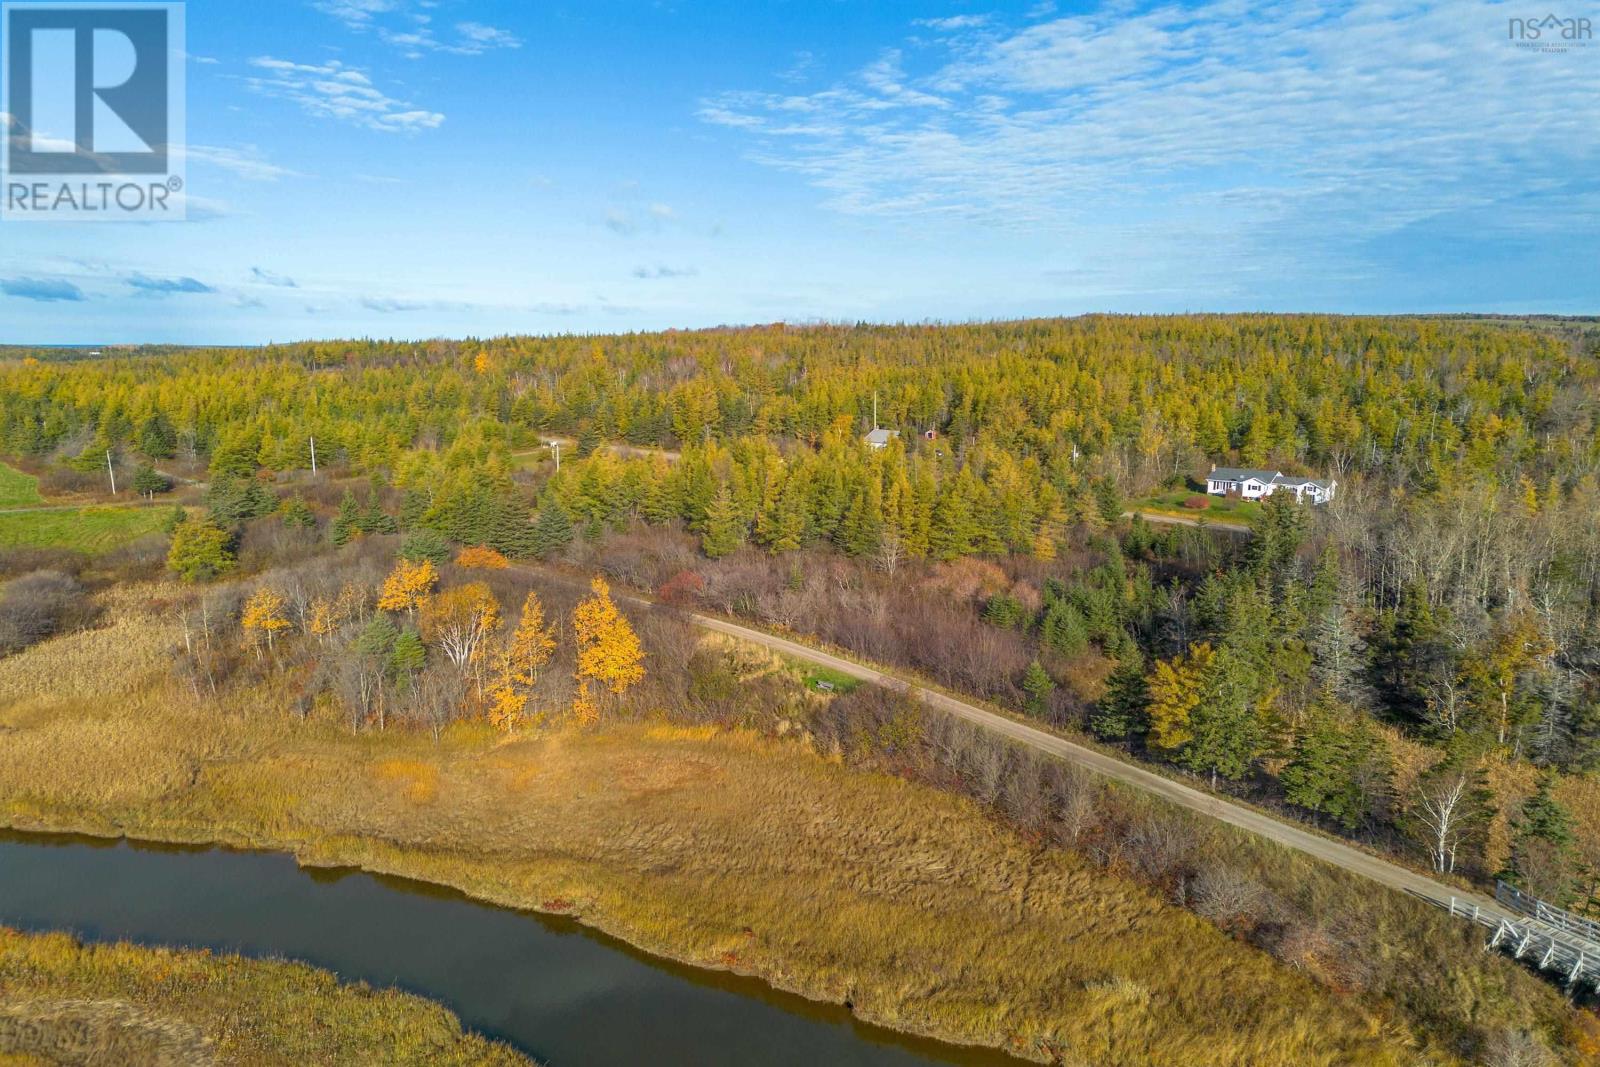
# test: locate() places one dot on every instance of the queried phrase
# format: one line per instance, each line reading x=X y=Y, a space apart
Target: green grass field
x=1218 y=509
x=815 y=676
x=90 y=530
x=18 y=490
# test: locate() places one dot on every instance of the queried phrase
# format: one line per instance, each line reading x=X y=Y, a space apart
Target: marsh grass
x=722 y=848
x=177 y=1006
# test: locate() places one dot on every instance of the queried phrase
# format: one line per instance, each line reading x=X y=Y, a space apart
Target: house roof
x=1293 y=483
x=881 y=436
x=1288 y=481
x=1240 y=474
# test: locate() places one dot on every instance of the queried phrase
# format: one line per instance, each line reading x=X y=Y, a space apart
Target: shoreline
x=312 y=857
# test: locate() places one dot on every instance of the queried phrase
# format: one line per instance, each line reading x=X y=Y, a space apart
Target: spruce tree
x=1037 y=683
x=407 y=656
x=1121 y=712
x=425 y=544
x=510 y=531
x=553 y=532
x=1544 y=860
x=297 y=513
x=725 y=527
x=347 y=523
x=373 y=519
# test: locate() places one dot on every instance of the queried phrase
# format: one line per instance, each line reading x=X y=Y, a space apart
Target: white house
x=880 y=438
x=1259 y=484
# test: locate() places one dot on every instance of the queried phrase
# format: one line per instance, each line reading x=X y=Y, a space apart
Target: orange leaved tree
x=481 y=557
x=608 y=649
x=408 y=586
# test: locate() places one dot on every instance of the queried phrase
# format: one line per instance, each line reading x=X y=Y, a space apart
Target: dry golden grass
x=720 y=849
x=66 y=1002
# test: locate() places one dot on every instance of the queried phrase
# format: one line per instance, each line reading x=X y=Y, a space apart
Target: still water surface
x=562 y=993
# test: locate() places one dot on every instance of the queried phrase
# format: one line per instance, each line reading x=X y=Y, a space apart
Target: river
x=562 y=993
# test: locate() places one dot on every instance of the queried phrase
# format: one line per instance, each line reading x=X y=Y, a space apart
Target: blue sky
x=415 y=168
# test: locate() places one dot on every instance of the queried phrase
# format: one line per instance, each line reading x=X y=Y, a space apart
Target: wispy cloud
x=40 y=289
x=664 y=272
x=357 y=14
x=391 y=305
x=267 y=277
x=245 y=162
x=336 y=91
x=409 y=27
x=952 y=23
x=1231 y=125
x=166 y=286
x=639 y=218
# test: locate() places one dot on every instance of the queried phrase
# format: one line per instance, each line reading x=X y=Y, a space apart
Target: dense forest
x=1413 y=663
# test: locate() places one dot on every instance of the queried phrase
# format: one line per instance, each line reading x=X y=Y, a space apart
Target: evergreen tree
x=378 y=637
x=862 y=529
x=1337 y=767
x=347 y=523
x=1038 y=685
x=1228 y=725
x=235 y=498
x=425 y=544
x=147 y=481
x=201 y=550
x=510 y=531
x=157 y=439
x=1544 y=860
x=373 y=519
x=725 y=527
x=553 y=532
x=297 y=513
x=1003 y=610
x=413 y=506
x=1063 y=629
x=407 y=656
x=589 y=441
x=1122 y=711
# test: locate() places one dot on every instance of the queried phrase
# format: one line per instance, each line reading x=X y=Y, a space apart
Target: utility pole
x=313 y=455
x=111 y=471
x=555 y=446
x=874 y=409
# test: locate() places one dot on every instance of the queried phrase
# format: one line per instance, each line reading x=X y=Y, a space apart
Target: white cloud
x=664 y=271
x=1224 y=123
x=334 y=90
x=245 y=162
x=401 y=24
x=357 y=14
x=952 y=23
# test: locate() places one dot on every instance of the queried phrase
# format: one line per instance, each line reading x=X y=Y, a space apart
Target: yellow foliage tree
x=531 y=643
x=461 y=620
x=264 y=616
x=408 y=586
x=516 y=665
x=1176 y=686
x=506 y=707
x=608 y=649
x=585 y=712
